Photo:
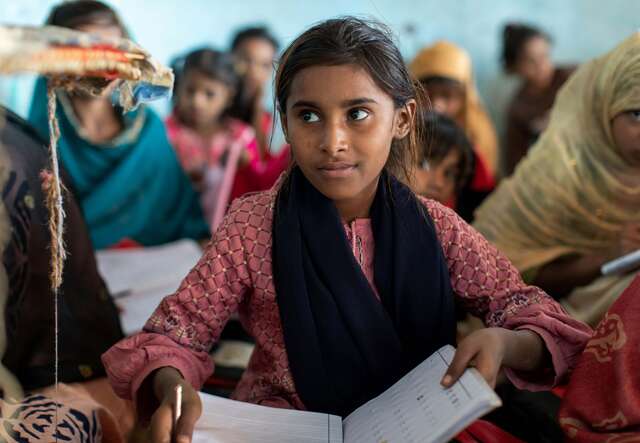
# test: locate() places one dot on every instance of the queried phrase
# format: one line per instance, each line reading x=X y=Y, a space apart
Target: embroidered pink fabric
x=234 y=275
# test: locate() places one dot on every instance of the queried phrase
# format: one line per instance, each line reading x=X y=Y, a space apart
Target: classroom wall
x=581 y=28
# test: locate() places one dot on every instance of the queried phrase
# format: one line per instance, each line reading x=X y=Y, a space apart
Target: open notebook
x=140 y=278
x=416 y=409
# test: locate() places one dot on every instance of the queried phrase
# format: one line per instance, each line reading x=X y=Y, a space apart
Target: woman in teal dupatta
x=130 y=187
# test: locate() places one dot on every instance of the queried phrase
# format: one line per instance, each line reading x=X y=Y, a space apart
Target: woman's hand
x=490 y=349
x=164 y=386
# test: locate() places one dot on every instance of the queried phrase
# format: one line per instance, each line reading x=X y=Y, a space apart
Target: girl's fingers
x=486 y=366
x=161 y=424
x=191 y=411
x=461 y=359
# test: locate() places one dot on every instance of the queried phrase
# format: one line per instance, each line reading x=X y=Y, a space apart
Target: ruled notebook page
x=417 y=409
x=230 y=421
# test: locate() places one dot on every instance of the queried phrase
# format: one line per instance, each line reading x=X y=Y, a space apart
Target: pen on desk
x=177 y=410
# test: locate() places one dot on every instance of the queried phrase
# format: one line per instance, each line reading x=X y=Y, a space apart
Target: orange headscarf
x=444 y=59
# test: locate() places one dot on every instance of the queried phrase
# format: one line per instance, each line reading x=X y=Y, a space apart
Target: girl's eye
x=635 y=114
x=358 y=114
x=309 y=116
x=452 y=174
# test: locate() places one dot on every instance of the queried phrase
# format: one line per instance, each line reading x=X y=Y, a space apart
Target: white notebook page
x=142 y=269
x=417 y=409
x=229 y=421
x=140 y=278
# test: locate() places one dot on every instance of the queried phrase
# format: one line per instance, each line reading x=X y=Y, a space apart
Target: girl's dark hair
x=256 y=32
x=514 y=37
x=214 y=64
x=368 y=44
x=211 y=63
x=438 y=80
x=444 y=136
x=77 y=13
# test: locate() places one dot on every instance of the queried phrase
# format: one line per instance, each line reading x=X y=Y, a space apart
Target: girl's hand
x=164 y=384
x=489 y=349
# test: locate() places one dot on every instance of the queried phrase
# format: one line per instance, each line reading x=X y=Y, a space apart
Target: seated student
x=123 y=170
x=211 y=145
x=88 y=319
x=574 y=202
x=445 y=160
x=608 y=410
x=343 y=276
x=446 y=74
x=254 y=50
x=525 y=53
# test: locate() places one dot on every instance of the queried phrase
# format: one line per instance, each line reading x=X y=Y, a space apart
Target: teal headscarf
x=132 y=187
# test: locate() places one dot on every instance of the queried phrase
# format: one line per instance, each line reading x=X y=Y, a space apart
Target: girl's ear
x=404 y=119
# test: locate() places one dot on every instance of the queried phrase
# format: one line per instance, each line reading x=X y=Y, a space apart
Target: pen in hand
x=177 y=411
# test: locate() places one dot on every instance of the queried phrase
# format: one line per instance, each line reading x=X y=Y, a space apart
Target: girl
x=327 y=269
x=123 y=170
x=446 y=73
x=210 y=144
x=574 y=202
x=254 y=50
x=445 y=159
x=525 y=53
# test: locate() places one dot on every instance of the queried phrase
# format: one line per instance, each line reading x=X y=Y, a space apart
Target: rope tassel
x=54 y=197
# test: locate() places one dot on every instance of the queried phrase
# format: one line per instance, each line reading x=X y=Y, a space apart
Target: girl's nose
x=335 y=139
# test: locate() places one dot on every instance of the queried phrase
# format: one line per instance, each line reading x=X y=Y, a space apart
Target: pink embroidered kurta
x=235 y=275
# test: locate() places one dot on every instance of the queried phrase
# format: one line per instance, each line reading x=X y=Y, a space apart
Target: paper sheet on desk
x=146 y=268
x=228 y=421
x=140 y=278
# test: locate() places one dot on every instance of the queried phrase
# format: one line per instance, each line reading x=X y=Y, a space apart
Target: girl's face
x=534 y=63
x=447 y=98
x=202 y=100
x=626 y=134
x=340 y=125
x=254 y=57
x=437 y=179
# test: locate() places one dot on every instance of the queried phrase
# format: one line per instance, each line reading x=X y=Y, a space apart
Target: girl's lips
x=337 y=170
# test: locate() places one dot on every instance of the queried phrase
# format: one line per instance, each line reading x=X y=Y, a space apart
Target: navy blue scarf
x=344 y=346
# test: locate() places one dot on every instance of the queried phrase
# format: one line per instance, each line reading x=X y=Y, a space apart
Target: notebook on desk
x=415 y=409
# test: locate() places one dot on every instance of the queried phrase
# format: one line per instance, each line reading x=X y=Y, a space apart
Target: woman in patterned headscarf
x=574 y=202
